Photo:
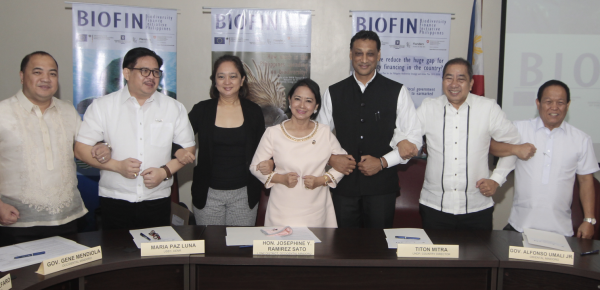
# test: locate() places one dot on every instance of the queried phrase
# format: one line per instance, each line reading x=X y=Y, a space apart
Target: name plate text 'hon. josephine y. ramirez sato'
x=284 y=247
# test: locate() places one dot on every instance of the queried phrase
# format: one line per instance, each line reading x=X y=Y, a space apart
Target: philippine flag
x=475 y=55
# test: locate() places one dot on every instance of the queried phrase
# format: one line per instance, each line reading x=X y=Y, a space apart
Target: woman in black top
x=229 y=128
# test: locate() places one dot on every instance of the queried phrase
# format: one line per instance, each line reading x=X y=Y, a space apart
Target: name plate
x=427 y=251
x=287 y=247
x=69 y=261
x=5 y=283
x=173 y=248
x=541 y=255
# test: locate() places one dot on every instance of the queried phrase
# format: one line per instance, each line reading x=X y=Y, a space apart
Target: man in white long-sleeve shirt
x=458 y=127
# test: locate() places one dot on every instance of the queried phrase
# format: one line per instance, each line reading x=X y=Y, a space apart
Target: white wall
x=28 y=25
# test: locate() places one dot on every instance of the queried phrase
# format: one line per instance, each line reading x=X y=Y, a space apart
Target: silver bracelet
x=381 y=160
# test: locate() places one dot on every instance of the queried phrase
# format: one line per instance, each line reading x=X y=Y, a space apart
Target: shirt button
x=456 y=127
x=455 y=142
x=455 y=158
x=140 y=138
x=455 y=174
x=455 y=189
x=140 y=123
x=362 y=120
x=361 y=137
x=362 y=104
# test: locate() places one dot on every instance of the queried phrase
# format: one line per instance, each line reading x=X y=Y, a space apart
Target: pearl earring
x=290 y=106
x=315 y=111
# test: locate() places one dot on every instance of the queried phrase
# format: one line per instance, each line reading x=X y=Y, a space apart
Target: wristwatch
x=590 y=220
x=169 y=175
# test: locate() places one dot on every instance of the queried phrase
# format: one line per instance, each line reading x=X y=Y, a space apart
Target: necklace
x=287 y=135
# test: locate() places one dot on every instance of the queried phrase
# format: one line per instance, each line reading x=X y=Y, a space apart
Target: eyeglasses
x=146 y=72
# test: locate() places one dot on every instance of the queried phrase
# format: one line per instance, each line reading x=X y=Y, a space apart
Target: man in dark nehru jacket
x=376 y=123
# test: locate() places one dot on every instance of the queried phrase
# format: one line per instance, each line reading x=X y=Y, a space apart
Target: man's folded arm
x=83 y=152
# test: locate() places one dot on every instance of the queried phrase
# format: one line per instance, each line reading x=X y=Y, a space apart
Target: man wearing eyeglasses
x=140 y=124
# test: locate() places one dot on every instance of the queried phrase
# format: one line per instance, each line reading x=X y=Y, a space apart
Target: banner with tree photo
x=274 y=46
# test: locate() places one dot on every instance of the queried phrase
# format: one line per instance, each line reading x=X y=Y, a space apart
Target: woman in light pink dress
x=300 y=148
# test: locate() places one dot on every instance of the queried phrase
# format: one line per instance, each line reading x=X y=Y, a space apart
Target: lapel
x=248 y=127
x=211 y=117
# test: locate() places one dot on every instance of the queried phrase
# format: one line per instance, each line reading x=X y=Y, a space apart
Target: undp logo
x=219 y=40
x=397 y=42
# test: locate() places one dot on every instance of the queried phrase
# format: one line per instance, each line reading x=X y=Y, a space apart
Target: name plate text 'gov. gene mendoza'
x=70 y=260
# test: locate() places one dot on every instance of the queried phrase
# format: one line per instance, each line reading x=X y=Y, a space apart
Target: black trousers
x=15 y=235
x=369 y=211
x=121 y=214
x=435 y=219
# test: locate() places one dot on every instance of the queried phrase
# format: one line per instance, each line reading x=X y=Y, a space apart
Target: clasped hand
x=487 y=187
x=343 y=163
x=311 y=182
x=101 y=152
x=265 y=167
x=289 y=179
x=185 y=157
x=525 y=151
x=369 y=165
x=407 y=149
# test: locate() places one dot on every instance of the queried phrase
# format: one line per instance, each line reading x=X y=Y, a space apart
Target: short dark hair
x=462 y=61
x=244 y=90
x=313 y=87
x=553 y=83
x=25 y=60
x=366 y=35
x=131 y=57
